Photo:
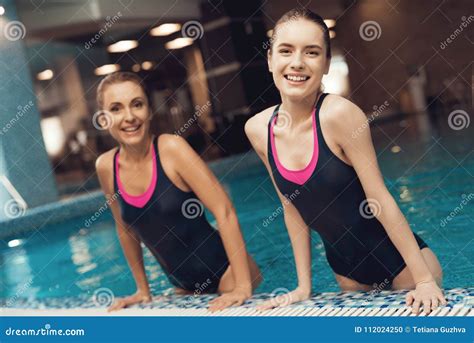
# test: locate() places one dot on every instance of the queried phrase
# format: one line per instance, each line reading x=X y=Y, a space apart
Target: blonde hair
x=117 y=77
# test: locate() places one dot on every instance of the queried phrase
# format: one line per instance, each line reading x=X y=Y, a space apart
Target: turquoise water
x=428 y=180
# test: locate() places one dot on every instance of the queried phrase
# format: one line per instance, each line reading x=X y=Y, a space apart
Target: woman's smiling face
x=298 y=58
x=127 y=105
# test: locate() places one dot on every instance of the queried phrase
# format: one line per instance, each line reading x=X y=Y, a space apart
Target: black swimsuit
x=174 y=228
x=330 y=199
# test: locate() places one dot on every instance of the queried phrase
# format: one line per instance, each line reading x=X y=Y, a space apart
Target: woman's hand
x=235 y=298
x=137 y=298
x=426 y=294
x=286 y=299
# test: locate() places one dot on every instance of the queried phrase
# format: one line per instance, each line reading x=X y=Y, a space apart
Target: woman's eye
x=313 y=53
x=284 y=51
x=114 y=109
x=138 y=105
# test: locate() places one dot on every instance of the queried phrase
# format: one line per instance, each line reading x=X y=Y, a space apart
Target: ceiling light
x=178 y=43
x=122 y=46
x=165 y=29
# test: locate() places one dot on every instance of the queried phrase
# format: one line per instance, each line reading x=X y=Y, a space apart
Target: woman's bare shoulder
x=104 y=169
x=256 y=126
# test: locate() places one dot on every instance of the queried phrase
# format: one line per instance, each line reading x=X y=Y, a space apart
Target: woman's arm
x=195 y=173
x=128 y=239
x=298 y=231
x=354 y=137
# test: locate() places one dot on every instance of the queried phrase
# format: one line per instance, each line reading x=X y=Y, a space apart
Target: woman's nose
x=297 y=61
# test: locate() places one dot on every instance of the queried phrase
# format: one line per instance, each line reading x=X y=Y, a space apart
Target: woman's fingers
x=416 y=306
x=427 y=305
x=443 y=300
x=434 y=303
x=267 y=305
x=222 y=304
x=116 y=306
x=409 y=298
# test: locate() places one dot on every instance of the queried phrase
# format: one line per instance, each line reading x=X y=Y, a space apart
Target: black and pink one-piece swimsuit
x=173 y=226
x=329 y=197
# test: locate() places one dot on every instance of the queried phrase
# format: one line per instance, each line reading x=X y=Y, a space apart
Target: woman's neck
x=137 y=152
x=299 y=110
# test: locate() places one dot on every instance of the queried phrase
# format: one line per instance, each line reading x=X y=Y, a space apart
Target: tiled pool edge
x=57 y=212
x=386 y=303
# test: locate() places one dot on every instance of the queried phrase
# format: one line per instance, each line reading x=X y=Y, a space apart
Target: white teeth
x=296 y=78
x=131 y=129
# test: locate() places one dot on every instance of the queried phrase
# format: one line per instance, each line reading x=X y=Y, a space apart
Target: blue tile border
x=393 y=299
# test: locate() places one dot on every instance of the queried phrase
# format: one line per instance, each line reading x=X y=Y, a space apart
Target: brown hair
x=117 y=77
x=303 y=13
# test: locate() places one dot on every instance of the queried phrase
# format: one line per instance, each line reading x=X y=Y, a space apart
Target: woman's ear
x=269 y=56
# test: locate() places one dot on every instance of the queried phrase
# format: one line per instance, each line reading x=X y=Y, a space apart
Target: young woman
x=328 y=178
x=157 y=187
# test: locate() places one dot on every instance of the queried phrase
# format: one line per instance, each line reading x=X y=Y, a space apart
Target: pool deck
x=384 y=303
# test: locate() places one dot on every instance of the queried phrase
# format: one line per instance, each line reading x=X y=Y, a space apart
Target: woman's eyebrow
x=313 y=46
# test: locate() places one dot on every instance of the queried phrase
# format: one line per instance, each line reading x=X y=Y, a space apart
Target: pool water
x=432 y=182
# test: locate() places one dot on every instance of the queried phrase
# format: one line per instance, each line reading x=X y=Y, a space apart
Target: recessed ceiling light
x=122 y=46
x=165 y=29
x=106 y=69
x=147 y=65
x=178 y=43
x=136 y=68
